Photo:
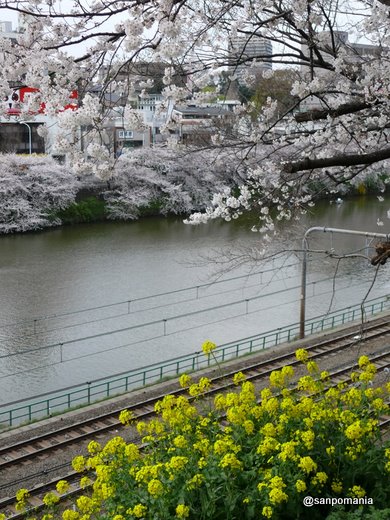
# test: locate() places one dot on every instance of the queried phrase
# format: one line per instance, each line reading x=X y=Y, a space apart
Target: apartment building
x=249 y=54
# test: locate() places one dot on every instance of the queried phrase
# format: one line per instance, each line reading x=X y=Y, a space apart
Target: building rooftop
x=205 y=111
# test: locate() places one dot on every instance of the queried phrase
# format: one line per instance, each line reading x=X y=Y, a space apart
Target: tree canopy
x=334 y=134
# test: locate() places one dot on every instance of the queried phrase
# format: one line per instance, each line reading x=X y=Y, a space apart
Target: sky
x=65 y=5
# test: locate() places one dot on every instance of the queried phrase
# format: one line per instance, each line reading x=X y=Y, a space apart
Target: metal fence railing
x=45 y=405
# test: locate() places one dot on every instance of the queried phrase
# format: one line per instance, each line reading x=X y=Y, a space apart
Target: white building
x=249 y=54
x=6 y=30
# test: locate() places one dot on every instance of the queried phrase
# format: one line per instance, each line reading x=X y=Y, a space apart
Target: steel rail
x=93 y=427
x=341 y=375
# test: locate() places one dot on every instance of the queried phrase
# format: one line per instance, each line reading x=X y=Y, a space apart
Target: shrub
x=315 y=438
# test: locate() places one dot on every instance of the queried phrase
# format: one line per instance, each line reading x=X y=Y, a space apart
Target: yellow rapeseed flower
x=271 y=405
x=312 y=367
x=114 y=446
x=357 y=491
x=267 y=512
x=208 y=347
x=307 y=383
x=265 y=394
x=230 y=461
x=288 y=371
x=142 y=427
x=182 y=511
x=78 y=463
x=185 y=380
x=363 y=361
x=68 y=514
x=379 y=405
x=86 y=504
x=196 y=481
x=204 y=384
x=94 y=447
x=219 y=402
x=177 y=464
x=287 y=451
x=277 y=496
x=139 y=511
x=224 y=445
x=22 y=495
x=85 y=482
x=276 y=379
x=125 y=417
x=366 y=377
x=180 y=441
x=268 y=445
x=307 y=464
x=202 y=463
x=354 y=377
x=308 y=439
x=268 y=430
x=276 y=482
x=300 y=486
x=194 y=390
x=155 y=488
x=330 y=450
x=249 y=427
x=324 y=375
x=238 y=378
x=337 y=486
x=132 y=452
x=62 y=486
x=354 y=431
x=302 y=355
x=319 y=478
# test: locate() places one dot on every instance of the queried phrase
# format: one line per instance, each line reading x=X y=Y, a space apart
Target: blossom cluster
x=273 y=447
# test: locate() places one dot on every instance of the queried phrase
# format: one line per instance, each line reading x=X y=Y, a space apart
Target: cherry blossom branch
x=340 y=160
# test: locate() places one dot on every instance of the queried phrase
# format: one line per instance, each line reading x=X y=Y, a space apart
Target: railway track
x=24 y=453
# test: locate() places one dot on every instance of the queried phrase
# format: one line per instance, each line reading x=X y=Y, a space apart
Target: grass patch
x=88 y=210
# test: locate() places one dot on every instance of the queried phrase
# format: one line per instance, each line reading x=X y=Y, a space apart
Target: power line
x=132 y=312
x=144 y=298
x=145 y=340
x=162 y=321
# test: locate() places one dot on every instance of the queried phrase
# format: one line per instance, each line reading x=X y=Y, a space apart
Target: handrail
x=38 y=407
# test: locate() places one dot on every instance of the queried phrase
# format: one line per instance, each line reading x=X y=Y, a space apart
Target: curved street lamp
x=29 y=136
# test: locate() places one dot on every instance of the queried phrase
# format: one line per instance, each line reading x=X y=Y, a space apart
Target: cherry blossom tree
x=165 y=181
x=333 y=136
x=32 y=189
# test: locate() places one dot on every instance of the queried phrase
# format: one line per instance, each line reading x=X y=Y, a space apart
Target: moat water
x=175 y=287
